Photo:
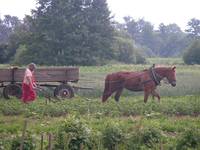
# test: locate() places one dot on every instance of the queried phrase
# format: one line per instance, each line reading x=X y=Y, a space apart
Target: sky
x=154 y=11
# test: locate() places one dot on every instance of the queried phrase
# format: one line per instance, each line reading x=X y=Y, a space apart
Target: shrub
x=12 y=109
x=134 y=141
x=126 y=51
x=189 y=139
x=151 y=136
x=112 y=136
x=192 y=54
x=29 y=144
x=74 y=134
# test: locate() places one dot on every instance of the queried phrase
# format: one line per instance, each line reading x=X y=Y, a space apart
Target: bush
x=192 y=54
x=125 y=50
x=12 y=108
x=140 y=59
x=134 y=141
x=75 y=135
x=112 y=136
x=189 y=139
x=29 y=144
x=150 y=137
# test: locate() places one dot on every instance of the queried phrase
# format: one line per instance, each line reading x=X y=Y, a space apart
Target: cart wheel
x=64 y=91
x=12 y=90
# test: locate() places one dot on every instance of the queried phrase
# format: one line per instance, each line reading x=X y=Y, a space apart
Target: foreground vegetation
x=127 y=123
x=85 y=123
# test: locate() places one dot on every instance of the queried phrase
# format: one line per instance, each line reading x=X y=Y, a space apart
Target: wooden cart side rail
x=70 y=74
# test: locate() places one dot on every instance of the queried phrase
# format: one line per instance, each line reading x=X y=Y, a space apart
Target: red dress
x=28 y=93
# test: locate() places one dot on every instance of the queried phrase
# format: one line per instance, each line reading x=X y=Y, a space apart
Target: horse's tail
x=106 y=89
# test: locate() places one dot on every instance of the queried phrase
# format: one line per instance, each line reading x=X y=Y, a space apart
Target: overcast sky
x=155 y=11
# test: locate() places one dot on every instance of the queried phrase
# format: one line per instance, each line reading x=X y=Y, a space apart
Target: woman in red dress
x=28 y=85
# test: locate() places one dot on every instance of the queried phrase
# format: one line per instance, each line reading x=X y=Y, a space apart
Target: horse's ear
x=174 y=67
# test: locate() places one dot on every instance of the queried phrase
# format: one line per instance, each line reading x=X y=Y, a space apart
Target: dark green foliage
x=192 y=54
x=172 y=40
x=140 y=58
x=74 y=134
x=140 y=138
x=193 y=28
x=12 y=109
x=168 y=41
x=125 y=49
x=3 y=53
x=69 y=33
x=189 y=139
x=7 y=28
x=112 y=136
x=134 y=141
x=28 y=143
x=151 y=136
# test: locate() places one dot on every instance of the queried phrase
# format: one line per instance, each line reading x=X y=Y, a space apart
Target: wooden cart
x=58 y=77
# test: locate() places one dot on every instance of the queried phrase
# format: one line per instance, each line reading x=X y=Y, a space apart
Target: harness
x=154 y=76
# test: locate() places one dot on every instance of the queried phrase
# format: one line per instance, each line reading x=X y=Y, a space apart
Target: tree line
x=83 y=32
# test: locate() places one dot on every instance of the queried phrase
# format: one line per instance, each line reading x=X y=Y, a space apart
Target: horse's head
x=171 y=76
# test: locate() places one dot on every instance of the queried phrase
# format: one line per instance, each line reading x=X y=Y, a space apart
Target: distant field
x=84 y=123
x=169 y=61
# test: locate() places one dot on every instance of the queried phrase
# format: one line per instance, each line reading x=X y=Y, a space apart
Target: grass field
x=83 y=122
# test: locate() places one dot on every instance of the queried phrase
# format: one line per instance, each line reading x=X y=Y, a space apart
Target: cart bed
x=54 y=74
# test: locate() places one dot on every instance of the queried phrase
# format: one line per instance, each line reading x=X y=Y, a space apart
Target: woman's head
x=32 y=66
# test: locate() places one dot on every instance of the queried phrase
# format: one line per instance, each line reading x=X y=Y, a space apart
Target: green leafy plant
x=74 y=135
x=112 y=136
x=189 y=139
x=134 y=141
x=28 y=143
x=151 y=136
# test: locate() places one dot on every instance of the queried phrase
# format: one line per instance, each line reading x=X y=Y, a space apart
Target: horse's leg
x=154 y=93
x=146 y=95
x=118 y=94
x=107 y=89
x=106 y=95
x=147 y=92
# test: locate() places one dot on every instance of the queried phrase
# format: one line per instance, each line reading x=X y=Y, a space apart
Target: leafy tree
x=167 y=41
x=7 y=29
x=70 y=32
x=125 y=50
x=193 y=28
x=173 y=40
x=192 y=54
x=4 y=33
x=3 y=53
x=7 y=26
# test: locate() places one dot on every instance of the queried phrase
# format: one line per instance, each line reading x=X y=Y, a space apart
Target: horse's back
x=130 y=80
x=126 y=76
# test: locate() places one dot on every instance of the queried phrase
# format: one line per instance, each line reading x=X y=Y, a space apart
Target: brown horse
x=146 y=80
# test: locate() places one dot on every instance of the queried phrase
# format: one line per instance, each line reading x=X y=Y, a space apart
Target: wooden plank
x=43 y=74
x=5 y=75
